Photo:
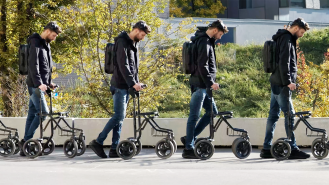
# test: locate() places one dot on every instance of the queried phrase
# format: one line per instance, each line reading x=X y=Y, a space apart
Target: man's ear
x=215 y=31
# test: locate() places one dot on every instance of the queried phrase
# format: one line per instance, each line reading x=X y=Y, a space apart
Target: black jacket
x=205 y=73
x=286 y=72
x=126 y=66
x=40 y=62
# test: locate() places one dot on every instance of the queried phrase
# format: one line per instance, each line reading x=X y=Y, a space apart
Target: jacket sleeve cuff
x=210 y=83
x=287 y=82
x=38 y=83
x=132 y=83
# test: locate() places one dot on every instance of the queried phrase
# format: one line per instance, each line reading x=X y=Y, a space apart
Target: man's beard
x=48 y=40
x=136 y=39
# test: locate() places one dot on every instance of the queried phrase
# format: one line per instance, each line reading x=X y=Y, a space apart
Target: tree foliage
x=18 y=19
x=88 y=25
x=196 y=8
x=313 y=44
x=314 y=88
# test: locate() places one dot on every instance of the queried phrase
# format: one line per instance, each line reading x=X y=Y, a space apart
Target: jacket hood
x=124 y=35
x=198 y=34
x=34 y=36
x=281 y=32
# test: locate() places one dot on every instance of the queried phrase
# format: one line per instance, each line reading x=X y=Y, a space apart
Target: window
x=293 y=3
x=297 y=3
x=245 y=4
x=284 y=3
x=324 y=3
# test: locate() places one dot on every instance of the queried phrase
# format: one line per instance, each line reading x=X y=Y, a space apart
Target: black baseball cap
x=142 y=26
x=53 y=27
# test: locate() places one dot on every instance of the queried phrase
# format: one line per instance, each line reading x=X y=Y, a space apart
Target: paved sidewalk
x=146 y=169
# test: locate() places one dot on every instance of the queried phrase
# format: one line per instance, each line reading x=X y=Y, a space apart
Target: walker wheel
x=241 y=148
x=32 y=148
x=126 y=149
x=7 y=147
x=204 y=149
x=164 y=148
x=70 y=148
x=319 y=149
x=281 y=150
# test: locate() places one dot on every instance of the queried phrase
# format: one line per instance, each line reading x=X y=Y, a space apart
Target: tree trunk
x=8 y=108
x=193 y=7
x=315 y=99
x=3 y=28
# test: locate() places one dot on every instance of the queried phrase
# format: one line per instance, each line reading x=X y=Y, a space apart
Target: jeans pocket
x=37 y=92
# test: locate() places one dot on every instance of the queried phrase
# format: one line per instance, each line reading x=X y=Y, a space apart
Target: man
x=203 y=77
x=284 y=75
x=124 y=77
x=39 y=76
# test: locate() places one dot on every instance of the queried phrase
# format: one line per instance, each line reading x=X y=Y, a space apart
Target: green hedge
x=314 y=44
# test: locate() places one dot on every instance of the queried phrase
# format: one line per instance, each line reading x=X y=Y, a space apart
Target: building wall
x=224 y=3
x=256 y=12
x=261 y=9
x=269 y=9
x=258 y=3
x=314 y=4
x=233 y=9
x=248 y=31
x=254 y=126
x=253 y=13
x=310 y=15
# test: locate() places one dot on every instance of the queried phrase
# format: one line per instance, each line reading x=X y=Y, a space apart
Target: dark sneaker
x=113 y=153
x=21 y=143
x=97 y=148
x=298 y=154
x=182 y=139
x=266 y=154
x=189 y=154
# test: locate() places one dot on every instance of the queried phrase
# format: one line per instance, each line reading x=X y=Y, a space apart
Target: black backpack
x=23 y=55
x=269 y=56
x=189 y=57
x=109 y=58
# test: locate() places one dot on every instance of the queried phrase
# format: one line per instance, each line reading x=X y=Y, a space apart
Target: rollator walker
x=9 y=145
x=164 y=148
x=74 y=146
x=241 y=147
x=281 y=149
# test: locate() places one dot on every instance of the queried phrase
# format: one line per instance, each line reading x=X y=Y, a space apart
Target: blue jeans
x=32 y=121
x=199 y=99
x=278 y=103
x=120 y=101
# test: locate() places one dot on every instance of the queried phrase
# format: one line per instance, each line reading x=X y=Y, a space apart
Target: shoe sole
x=190 y=157
x=114 y=156
x=266 y=157
x=93 y=148
x=298 y=157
